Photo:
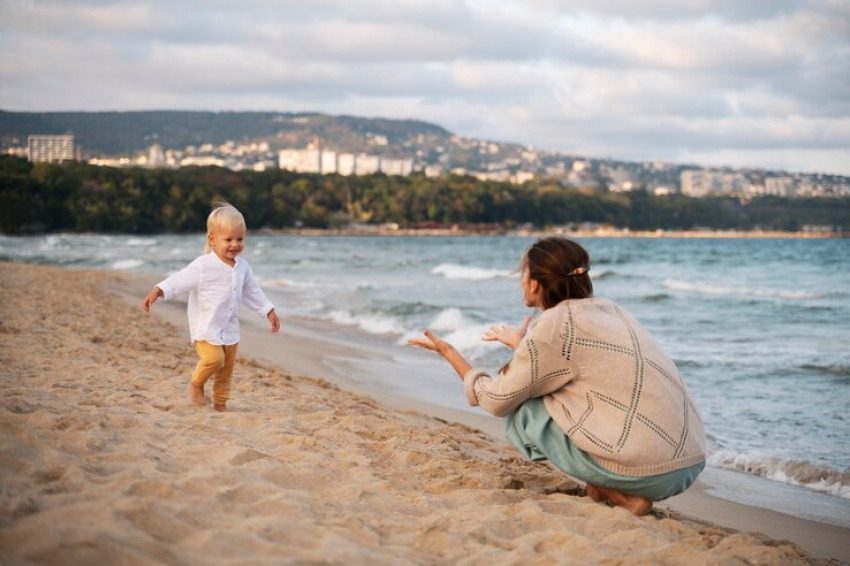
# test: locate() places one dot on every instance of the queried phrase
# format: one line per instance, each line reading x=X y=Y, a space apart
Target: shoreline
x=600 y=233
x=269 y=459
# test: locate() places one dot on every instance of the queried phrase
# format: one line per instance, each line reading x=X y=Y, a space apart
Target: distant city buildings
x=50 y=149
x=314 y=160
x=780 y=186
x=708 y=182
x=436 y=156
x=301 y=160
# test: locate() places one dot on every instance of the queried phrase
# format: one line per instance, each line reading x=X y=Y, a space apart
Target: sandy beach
x=103 y=460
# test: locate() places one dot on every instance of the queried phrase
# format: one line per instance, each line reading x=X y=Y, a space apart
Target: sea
x=760 y=328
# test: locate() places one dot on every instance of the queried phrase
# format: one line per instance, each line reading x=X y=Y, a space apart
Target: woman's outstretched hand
x=431 y=342
x=507 y=335
x=434 y=344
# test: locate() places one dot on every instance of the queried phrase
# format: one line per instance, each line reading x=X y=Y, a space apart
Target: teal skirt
x=533 y=432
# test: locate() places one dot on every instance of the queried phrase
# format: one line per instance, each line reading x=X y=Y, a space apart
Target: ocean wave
x=127 y=264
x=449 y=319
x=463 y=333
x=141 y=242
x=371 y=323
x=53 y=243
x=709 y=289
x=284 y=283
x=460 y=331
x=469 y=272
x=836 y=369
x=656 y=298
x=797 y=472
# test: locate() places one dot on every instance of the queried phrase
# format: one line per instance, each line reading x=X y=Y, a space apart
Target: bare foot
x=196 y=392
x=594 y=494
x=220 y=408
x=634 y=503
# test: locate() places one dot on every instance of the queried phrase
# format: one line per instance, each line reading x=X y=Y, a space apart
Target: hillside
x=115 y=133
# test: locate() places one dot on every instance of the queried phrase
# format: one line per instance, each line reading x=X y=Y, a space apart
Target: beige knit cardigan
x=606 y=383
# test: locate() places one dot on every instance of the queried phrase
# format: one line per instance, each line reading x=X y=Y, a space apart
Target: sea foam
x=797 y=472
x=127 y=264
x=469 y=272
x=709 y=289
x=370 y=323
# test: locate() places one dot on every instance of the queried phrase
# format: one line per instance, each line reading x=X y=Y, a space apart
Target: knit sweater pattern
x=606 y=383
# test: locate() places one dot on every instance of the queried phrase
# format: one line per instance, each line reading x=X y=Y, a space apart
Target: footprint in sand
x=158 y=523
x=158 y=489
x=250 y=455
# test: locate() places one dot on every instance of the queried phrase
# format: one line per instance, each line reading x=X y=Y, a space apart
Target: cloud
x=643 y=80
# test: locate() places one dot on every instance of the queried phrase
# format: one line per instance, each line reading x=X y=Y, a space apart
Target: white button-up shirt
x=215 y=291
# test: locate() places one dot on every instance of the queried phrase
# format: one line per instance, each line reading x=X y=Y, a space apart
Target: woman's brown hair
x=561 y=267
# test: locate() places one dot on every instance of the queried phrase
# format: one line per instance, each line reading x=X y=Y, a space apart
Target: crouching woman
x=588 y=388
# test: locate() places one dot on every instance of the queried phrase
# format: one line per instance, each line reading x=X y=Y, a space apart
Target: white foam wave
x=141 y=242
x=127 y=264
x=708 y=289
x=371 y=323
x=468 y=272
x=797 y=472
x=284 y=283
x=52 y=243
x=462 y=333
x=449 y=319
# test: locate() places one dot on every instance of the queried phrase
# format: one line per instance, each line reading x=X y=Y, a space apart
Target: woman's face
x=530 y=290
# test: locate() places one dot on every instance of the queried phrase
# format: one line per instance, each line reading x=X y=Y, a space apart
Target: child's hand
x=151 y=299
x=274 y=320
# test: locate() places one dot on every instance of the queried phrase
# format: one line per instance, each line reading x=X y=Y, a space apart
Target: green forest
x=85 y=198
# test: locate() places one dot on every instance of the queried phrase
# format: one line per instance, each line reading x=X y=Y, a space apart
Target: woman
x=587 y=388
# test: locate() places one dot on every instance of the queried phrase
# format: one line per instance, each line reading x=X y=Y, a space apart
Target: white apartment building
x=366 y=164
x=780 y=186
x=50 y=149
x=397 y=166
x=328 y=162
x=345 y=164
x=301 y=160
x=702 y=182
x=156 y=156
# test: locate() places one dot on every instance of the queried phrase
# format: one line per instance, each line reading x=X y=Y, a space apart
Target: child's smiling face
x=228 y=242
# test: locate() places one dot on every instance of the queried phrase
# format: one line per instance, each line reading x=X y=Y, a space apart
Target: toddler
x=216 y=282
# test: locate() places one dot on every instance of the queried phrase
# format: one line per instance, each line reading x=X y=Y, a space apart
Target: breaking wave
x=797 y=472
x=469 y=272
x=709 y=289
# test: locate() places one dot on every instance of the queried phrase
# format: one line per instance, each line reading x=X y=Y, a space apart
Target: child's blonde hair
x=224 y=216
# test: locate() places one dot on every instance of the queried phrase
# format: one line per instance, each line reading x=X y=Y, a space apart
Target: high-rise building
x=780 y=186
x=702 y=182
x=365 y=164
x=50 y=149
x=345 y=163
x=327 y=162
x=396 y=166
x=156 y=157
x=301 y=160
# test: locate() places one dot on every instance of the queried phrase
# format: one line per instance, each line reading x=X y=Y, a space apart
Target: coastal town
x=453 y=155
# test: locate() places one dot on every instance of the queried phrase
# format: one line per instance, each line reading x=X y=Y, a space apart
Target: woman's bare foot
x=220 y=408
x=594 y=494
x=196 y=392
x=634 y=503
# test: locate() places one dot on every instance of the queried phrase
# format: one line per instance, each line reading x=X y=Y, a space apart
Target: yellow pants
x=215 y=361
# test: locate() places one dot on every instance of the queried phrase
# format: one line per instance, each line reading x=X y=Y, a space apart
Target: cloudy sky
x=761 y=83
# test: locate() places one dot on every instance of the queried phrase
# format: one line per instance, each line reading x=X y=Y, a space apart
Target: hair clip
x=578 y=271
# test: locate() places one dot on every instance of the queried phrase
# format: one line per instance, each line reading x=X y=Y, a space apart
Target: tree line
x=79 y=197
